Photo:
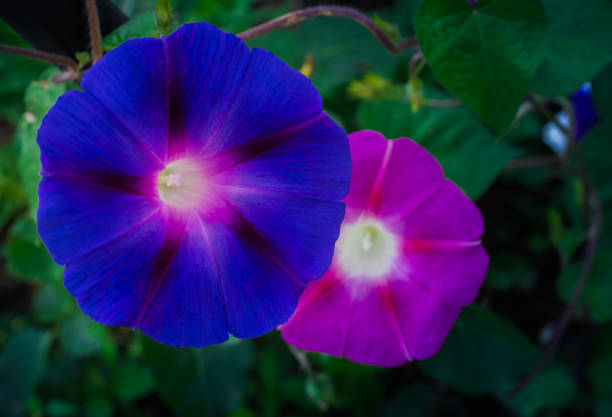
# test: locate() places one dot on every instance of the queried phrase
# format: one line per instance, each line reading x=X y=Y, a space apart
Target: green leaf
x=342 y=50
x=51 y=304
x=200 y=382
x=482 y=354
x=141 y=25
x=77 y=336
x=163 y=16
x=466 y=150
x=390 y=29
x=597 y=148
x=598 y=289
x=484 y=54
x=39 y=97
x=553 y=389
x=26 y=256
x=414 y=400
x=510 y=271
x=60 y=408
x=12 y=196
x=578 y=47
x=98 y=406
x=16 y=73
x=132 y=381
x=600 y=365
x=21 y=365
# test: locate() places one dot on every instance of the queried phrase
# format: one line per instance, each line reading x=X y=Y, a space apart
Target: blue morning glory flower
x=193 y=187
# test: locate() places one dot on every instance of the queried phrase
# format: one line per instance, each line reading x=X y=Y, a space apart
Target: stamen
x=174 y=180
x=366 y=249
x=182 y=184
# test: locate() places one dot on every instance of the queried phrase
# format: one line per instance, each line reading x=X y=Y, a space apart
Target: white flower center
x=182 y=184
x=366 y=249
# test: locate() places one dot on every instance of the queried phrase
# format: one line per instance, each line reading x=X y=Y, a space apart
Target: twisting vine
x=297 y=16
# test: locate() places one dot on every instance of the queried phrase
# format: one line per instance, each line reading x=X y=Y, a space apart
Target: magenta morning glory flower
x=192 y=188
x=408 y=258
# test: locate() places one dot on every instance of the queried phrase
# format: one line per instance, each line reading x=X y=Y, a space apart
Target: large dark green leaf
x=483 y=354
x=21 y=364
x=484 y=54
x=579 y=45
x=466 y=150
x=201 y=382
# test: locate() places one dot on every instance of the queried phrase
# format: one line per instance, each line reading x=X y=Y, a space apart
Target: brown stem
x=443 y=103
x=298 y=16
x=59 y=60
x=412 y=67
x=541 y=108
x=533 y=162
x=95 y=37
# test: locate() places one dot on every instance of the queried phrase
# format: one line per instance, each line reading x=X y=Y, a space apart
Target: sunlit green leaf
x=39 y=97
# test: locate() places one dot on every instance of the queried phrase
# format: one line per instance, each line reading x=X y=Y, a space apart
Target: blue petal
x=76 y=218
x=311 y=161
x=301 y=230
x=130 y=82
x=222 y=95
x=259 y=292
x=188 y=307
x=110 y=284
x=272 y=97
x=80 y=135
x=206 y=67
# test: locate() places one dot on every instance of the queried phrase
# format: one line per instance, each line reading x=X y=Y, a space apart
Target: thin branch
x=303 y=361
x=541 y=108
x=10 y=222
x=593 y=222
x=59 y=60
x=443 y=103
x=95 y=37
x=413 y=70
x=298 y=16
x=533 y=162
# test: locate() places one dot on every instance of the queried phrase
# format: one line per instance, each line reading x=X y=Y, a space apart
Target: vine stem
x=95 y=36
x=298 y=16
x=59 y=60
x=533 y=162
x=593 y=223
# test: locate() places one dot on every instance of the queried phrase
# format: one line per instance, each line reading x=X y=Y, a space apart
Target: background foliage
x=54 y=361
